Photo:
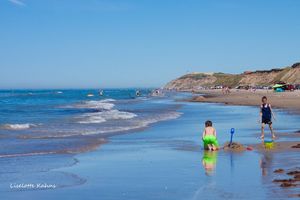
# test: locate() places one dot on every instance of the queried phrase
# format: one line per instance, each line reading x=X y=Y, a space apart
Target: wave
x=26 y=154
x=92 y=119
x=99 y=105
x=100 y=117
x=17 y=126
x=107 y=100
x=136 y=124
x=133 y=124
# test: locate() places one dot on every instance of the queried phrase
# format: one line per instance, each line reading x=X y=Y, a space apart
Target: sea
x=81 y=144
x=77 y=119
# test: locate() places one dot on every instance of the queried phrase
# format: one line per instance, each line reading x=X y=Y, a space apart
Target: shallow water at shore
x=166 y=161
x=44 y=122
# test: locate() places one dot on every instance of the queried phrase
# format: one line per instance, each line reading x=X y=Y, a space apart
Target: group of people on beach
x=209 y=135
x=225 y=90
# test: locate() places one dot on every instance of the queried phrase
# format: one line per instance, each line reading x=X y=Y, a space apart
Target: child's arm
x=272 y=112
x=203 y=134
x=215 y=133
x=260 y=115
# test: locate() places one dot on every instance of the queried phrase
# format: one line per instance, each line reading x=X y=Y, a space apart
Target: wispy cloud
x=17 y=2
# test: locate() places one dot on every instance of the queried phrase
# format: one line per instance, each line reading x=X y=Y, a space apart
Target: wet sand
x=285 y=100
x=289 y=101
x=279 y=147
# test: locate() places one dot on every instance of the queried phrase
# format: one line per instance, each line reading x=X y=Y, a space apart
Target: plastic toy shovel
x=231 y=135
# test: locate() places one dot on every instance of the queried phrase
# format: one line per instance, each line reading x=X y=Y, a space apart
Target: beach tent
x=278 y=88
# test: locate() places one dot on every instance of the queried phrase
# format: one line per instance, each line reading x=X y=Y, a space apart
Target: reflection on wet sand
x=209 y=161
x=266 y=163
x=266 y=159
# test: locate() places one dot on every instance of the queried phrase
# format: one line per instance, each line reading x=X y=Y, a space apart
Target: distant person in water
x=137 y=93
x=209 y=137
x=266 y=115
x=101 y=92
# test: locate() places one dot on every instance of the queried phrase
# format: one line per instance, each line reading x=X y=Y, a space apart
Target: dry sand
x=286 y=100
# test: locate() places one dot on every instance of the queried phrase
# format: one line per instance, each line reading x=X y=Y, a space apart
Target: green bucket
x=269 y=144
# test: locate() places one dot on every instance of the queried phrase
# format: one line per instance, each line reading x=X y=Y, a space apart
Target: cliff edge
x=197 y=80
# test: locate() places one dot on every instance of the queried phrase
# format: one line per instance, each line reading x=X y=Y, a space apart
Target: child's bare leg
x=214 y=147
x=272 y=131
x=209 y=147
x=262 y=131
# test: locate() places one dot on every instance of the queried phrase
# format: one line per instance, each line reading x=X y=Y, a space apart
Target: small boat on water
x=90 y=95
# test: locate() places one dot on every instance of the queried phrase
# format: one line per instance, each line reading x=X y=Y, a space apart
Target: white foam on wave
x=26 y=154
x=98 y=105
x=107 y=100
x=100 y=117
x=105 y=104
x=92 y=119
x=137 y=124
x=116 y=114
x=17 y=126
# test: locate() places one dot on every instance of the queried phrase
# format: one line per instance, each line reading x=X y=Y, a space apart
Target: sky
x=141 y=43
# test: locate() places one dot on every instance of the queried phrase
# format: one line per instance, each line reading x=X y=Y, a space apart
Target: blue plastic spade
x=231 y=132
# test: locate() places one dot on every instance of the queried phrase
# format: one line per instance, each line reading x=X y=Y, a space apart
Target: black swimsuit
x=266 y=114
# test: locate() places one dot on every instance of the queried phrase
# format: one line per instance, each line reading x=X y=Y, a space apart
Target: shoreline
x=288 y=101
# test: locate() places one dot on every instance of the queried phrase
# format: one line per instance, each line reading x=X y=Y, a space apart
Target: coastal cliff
x=197 y=80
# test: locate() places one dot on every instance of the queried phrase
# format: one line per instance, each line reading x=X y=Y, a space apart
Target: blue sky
x=141 y=43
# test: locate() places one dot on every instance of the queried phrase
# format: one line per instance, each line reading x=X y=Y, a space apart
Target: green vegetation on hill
x=227 y=79
x=220 y=78
x=195 y=76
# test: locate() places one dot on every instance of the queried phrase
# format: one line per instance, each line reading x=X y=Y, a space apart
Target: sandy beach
x=288 y=101
x=285 y=100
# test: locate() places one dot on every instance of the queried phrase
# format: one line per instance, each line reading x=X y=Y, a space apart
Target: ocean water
x=154 y=148
x=78 y=120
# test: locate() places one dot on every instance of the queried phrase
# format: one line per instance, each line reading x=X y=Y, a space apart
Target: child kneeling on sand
x=209 y=137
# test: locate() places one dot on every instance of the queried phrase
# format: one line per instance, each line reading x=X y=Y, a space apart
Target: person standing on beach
x=266 y=115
